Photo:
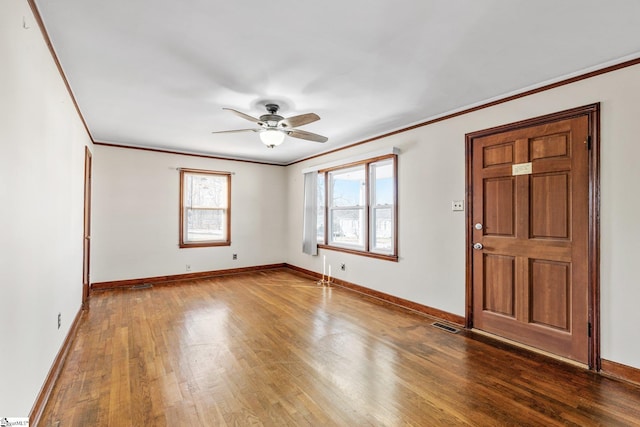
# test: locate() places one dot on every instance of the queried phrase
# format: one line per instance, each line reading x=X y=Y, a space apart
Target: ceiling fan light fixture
x=272 y=137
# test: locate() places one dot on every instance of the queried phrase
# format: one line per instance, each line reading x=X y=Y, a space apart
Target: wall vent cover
x=142 y=286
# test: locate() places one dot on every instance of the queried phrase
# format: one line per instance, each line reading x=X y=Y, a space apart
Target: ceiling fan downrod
x=272 y=108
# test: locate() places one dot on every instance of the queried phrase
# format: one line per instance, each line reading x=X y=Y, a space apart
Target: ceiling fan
x=274 y=127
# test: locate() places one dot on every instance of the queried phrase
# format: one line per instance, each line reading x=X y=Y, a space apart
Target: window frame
x=226 y=241
x=323 y=174
x=361 y=209
x=375 y=206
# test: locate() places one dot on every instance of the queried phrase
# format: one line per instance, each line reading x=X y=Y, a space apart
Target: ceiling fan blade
x=296 y=133
x=302 y=119
x=238 y=130
x=243 y=115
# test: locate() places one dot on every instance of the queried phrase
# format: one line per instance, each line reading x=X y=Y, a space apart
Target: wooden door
x=529 y=223
x=86 y=242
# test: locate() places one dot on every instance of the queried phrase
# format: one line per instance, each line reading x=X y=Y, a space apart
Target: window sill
x=384 y=257
x=204 y=244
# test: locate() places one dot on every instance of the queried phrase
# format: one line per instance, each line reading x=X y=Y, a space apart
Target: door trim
x=86 y=228
x=592 y=112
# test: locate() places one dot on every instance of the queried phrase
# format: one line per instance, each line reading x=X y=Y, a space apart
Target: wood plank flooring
x=274 y=349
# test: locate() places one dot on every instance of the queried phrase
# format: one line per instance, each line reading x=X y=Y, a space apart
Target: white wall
x=42 y=144
x=136 y=215
x=431 y=269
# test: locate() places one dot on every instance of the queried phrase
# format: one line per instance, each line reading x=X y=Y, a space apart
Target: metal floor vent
x=445 y=327
x=142 y=286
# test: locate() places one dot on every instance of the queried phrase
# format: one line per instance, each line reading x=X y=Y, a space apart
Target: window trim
x=205 y=244
x=367 y=209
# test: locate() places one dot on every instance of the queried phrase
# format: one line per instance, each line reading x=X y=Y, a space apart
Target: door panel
x=500 y=283
x=498 y=213
x=530 y=193
x=549 y=207
x=550 y=294
x=550 y=146
x=499 y=154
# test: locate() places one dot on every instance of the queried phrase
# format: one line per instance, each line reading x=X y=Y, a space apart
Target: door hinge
x=589 y=329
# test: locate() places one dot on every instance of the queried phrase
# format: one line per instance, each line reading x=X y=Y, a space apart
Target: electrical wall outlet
x=457 y=205
x=59 y=320
x=235 y=256
x=187 y=267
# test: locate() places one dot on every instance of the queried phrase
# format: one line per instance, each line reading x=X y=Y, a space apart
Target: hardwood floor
x=272 y=348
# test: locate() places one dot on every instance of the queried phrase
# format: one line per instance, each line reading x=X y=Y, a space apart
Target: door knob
x=477 y=246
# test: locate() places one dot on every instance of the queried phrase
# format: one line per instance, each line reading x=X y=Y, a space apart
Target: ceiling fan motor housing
x=272 y=119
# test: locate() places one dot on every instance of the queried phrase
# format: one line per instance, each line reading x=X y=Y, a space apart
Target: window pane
x=348 y=187
x=382 y=183
x=206 y=191
x=321 y=206
x=382 y=220
x=347 y=227
x=205 y=225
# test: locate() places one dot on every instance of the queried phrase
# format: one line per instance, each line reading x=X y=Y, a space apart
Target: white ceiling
x=158 y=73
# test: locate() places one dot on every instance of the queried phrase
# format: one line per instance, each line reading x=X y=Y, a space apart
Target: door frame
x=592 y=111
x=86 y=228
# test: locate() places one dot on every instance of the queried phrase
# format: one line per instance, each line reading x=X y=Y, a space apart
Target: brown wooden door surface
x=530 y=279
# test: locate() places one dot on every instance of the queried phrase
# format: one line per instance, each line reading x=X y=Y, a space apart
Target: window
x=347 y=202
x=382 y=206
x=205 y=208
x=361 y=209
